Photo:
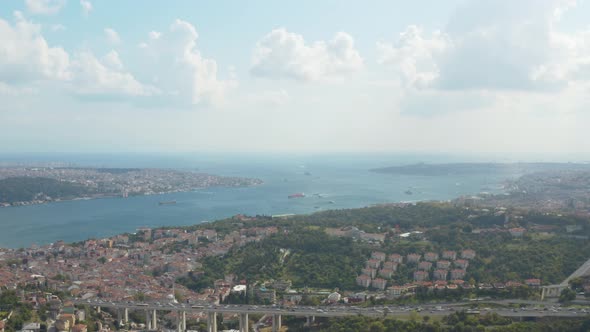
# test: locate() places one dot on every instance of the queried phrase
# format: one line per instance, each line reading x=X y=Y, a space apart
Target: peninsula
x=36 y=185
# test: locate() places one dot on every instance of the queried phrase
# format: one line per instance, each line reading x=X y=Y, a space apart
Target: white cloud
x=112 y=36
x=112 y=60
x=86 y=7
x=45 y=7
x=283 y=54
x=108 y=78
x=486 y=50
x=413 y=56
x=189 y=78
x=154 y=35
x=25 y=55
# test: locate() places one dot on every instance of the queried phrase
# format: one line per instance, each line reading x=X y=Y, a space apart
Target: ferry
x=296 y=195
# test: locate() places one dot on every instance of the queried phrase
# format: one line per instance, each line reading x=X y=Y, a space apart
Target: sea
x=335 y=181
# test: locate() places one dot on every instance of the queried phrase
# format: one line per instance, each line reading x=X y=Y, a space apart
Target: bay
x=329 y=182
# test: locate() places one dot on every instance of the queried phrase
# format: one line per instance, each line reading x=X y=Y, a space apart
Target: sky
x=462 y=77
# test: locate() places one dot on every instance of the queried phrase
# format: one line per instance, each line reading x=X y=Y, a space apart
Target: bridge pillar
x=307 y=321
x=276 y=323
x=244 y=324
x=212 y=322
x=119 y=316
x=98 y=309
x=126 y=316
x=148 y=321
x=178 y=323
x=184 y=320
x=154 y=320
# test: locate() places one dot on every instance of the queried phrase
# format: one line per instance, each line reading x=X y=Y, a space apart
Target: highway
x=342 y=311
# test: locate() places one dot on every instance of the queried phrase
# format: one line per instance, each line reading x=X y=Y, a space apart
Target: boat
x=331 y=202
x=307 y=173
x=296 y=195
x=408 y=192
x=167 y=203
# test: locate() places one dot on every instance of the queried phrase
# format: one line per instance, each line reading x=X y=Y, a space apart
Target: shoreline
x=104 y=196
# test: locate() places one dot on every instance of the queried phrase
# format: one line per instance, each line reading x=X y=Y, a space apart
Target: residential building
x=80 y=328
x=440 y=274
x=390 y=265
x=468 y=254
x=370 y=272
x=457 y=274
x=431 y=256
x=517 y=232
x=420 y=275
x=266 y=294
x=397 y=258
x=379 y=283
x=373 y=263
x=386 y=273
x=378 y=255
x=533 y=282
x=443 y=265
x=363 y=280
x=413 y=258
x=449 y=254
x=462 y=263
x=425 y=266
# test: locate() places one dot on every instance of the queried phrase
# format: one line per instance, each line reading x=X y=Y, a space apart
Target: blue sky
x=469 y=77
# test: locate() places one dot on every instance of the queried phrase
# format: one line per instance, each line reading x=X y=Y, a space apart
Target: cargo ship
x=296 y=195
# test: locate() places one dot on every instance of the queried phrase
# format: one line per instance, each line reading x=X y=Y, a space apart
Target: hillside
x=27 y=189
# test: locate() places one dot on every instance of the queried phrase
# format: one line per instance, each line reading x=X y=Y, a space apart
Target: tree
x=567 y=295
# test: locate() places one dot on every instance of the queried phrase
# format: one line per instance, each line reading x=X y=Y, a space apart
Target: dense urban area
x=465 y=265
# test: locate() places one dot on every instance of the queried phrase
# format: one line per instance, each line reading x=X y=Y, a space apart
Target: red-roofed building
x=517 y=232
x=413 y=258
x=462 y=263
x=420 y=275
x=449 y=254
x=457 y=274
x=390 y=265
x=363 y=280
x=80 y=328
x=373 y=263
x=431 y=256
x=379 y=283
x=378 y=255
x=424 y=266
x=440 y=274
x=468 y=254
x=397 y=258
x=443 y=265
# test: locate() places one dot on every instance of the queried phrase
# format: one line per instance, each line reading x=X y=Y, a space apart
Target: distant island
x=479 y=168
x=37 y=185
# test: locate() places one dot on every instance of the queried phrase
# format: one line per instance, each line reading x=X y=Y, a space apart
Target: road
x=343 y=311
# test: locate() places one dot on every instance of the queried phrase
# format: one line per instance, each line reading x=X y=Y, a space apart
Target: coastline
x=103 y=196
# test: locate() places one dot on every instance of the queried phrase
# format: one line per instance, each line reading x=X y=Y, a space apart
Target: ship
x=167 y=203
x=296 y=195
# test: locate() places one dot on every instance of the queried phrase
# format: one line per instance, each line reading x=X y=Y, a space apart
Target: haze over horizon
x=457 y=77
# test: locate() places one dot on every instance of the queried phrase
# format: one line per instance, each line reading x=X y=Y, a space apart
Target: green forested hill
x=21 y=189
